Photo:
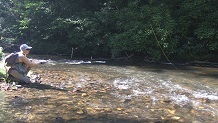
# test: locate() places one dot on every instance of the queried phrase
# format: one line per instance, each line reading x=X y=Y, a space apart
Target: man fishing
x=22 y=65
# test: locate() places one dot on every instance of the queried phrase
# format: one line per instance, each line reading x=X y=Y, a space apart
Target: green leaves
x=109 y=28
x=1 y=53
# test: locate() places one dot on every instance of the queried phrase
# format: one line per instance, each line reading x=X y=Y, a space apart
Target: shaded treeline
x=184 y=29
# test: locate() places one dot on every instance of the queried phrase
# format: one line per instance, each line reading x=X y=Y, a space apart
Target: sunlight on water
x=208 y=95
x=125 y=84
x=160 y=86
x=78 y=62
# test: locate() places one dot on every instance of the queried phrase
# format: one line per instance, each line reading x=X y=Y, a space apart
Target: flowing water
x=97 y=92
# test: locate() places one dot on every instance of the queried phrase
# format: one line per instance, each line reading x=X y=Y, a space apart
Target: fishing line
x=162 y=49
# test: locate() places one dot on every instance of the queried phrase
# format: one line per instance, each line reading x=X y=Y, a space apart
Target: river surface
x=76 y=91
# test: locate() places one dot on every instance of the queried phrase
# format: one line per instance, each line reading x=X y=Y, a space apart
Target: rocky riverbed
x=79 y=95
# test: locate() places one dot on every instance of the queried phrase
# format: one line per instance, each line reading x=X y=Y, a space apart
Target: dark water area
x=77 y=91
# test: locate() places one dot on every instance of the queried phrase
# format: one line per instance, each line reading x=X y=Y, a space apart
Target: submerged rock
x=59 y=120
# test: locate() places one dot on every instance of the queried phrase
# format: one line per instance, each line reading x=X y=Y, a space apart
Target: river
x=99 y=92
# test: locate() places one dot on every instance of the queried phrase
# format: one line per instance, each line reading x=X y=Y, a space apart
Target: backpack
x=11 y=59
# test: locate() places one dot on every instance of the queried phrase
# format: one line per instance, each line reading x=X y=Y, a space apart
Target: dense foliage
x=145 y=29
x=1 y=53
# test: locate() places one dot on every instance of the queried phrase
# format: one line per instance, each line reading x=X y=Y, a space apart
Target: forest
x=146 y=30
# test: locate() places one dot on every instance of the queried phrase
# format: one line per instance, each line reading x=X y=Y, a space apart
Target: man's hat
x=25 y=47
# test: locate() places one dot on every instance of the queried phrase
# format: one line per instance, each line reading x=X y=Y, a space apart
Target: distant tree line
x=181 y=30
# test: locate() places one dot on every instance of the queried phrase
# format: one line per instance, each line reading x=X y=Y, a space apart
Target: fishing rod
x=162 y=48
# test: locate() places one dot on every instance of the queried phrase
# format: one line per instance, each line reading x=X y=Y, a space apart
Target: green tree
x=182 y=29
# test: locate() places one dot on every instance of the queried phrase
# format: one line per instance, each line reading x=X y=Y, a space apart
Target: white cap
x=24 y=47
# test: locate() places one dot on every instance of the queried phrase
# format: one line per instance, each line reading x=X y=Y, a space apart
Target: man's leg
x=20 y=76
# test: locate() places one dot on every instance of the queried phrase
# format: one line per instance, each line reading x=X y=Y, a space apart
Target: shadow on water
x=101 y=119
x=160 y=68
x=41 y=86
x=109 y=119
x=214 y=75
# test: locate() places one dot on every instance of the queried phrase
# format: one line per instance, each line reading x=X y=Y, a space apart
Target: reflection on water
x=94 y=91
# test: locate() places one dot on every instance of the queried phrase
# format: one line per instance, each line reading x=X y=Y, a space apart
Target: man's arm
x=28 y=62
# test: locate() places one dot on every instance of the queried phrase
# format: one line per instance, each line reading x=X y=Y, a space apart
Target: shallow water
x=84 y=91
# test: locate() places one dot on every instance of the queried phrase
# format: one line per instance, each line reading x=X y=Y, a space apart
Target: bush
x=1 y=53
x=2 y=70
